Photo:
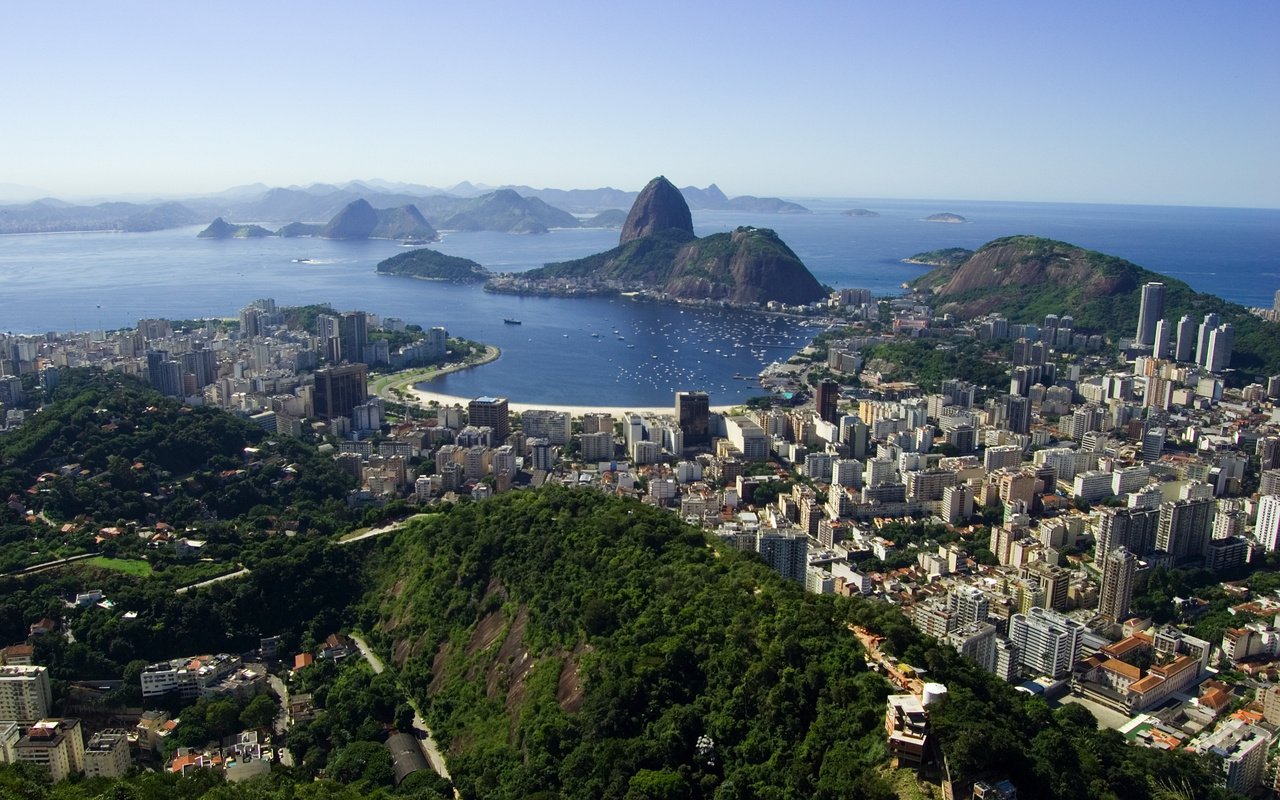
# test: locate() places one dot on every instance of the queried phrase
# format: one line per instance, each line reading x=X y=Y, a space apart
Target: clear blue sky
x=1149 y=102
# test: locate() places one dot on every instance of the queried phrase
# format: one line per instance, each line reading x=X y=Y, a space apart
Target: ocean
x=599 y=351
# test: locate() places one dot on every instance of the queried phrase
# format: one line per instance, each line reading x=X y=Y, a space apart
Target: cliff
x=660 y=207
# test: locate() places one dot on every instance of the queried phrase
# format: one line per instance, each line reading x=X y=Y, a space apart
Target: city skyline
x=1089 y=103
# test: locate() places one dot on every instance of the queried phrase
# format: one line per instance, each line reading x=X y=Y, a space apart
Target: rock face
x=357 y=221
x=660 y=207
x=747 y=266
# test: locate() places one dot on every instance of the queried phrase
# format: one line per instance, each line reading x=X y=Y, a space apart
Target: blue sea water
x=567 y=351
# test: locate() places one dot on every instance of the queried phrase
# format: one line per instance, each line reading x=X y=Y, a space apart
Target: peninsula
x=659 y=256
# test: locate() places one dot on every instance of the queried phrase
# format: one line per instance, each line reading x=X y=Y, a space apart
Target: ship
x=510 y=321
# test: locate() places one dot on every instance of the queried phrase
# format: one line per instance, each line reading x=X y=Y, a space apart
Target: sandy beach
x=448 y=400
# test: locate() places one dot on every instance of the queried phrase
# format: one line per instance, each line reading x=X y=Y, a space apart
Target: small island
x=430 y=265
x=945 y=257
x=946 y=217
x=221 y=229
x=859 y=212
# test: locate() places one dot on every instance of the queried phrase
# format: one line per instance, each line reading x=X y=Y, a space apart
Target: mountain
x=296 y=229
x=658 y=251
x=506 y=211
x=1027 y=277
x=49 y=215
x=659 y=207
x=221 y=229
x=431 y=265
x=609 y=218
x=357 y=221
x=713 y=199
x=566 y=644
x=405 y=222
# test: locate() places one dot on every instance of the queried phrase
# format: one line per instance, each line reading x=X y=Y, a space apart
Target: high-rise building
x=1210 y=322
x=1047 y=642
x=968 y=603
x=55 y=745
x=828 y=392
x=107 y=754
x=340 y=389
x=1267 y=529
x=1150 y=312
x=1131 y=528
x=1162 y=347
x=1116 y=591
x=353 y=335
x=693 y=410
x=1184 y=529
x=491 y=412
x=785 y=551
x=1017 y=413
x=977 y=640
x=1221 y=341
x=1184 y=348
x=25 y=695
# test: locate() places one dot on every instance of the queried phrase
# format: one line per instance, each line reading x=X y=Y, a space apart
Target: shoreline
x=425 y=397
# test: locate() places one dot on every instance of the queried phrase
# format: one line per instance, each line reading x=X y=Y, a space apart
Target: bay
x=566 y=351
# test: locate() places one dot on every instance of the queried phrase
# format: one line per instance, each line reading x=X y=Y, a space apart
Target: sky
x=1141 y=102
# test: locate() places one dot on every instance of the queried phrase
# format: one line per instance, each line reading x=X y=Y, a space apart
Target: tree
x=259 y=714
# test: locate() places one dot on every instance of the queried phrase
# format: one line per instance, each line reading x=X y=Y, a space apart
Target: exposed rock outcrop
x=660 y=207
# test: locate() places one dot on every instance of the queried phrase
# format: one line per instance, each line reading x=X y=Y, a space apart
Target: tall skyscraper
x=353 y=335
x=1047 y=642
x=493 y=412
x=340 y=389
x=1267 y=529
x=825 y=398
x=1149 y=313
x=1210 y=322
x=1186 y=343
x=693 y=410
x=1116 y=591
x=1185 y=528
x=1163 y=346
x=1221 y=340
x=1131 y=528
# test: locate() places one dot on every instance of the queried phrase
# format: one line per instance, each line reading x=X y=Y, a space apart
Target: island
x=221 y=229
x=946 y=217
x=859 y=212
x=660 y=257
x=945 y=257
x=609 y=218
x=360 y=220
x=430 y=265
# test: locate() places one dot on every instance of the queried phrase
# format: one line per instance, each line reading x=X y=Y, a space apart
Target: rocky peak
x=659 y=207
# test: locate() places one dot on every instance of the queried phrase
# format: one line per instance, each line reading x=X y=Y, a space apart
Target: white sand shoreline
x=425 y=397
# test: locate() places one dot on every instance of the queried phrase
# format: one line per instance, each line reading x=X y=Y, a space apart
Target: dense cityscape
x=1094 y=524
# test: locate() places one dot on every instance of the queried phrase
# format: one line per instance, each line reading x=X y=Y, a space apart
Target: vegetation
x=945 y=257
x=925 y=362
x=433 y=265
x=654 y=663
x=1100 y=291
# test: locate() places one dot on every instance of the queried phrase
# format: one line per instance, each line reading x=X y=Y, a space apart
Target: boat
x=510 y=321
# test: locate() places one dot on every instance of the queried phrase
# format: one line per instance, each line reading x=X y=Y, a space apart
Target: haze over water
x=94 y=281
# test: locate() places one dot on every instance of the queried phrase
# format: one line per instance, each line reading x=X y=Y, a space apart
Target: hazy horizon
x=1087 y=103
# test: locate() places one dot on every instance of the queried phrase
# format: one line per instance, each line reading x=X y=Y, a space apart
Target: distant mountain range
x=465 y=206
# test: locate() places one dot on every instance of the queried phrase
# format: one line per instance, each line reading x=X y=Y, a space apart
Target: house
x=336 y=647
x=302 y=660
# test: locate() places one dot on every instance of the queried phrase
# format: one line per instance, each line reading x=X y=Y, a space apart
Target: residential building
x=1242 y=750
x=338 y=390
x=56 y=745
x=1116 y=592
x=491 y=412
x=1047 y=642
x=25 y=695
x=107 y=754
x=907 y=725
x=1184 y=528
x=1267 y=528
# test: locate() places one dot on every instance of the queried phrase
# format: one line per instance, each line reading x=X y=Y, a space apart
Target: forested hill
x=1028 y=277
x=583 y=646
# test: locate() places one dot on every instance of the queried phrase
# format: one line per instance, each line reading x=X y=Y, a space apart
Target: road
x=240 y=573
x=871 y=643
x=421 y=731
x=34 y=568
x=243 y=571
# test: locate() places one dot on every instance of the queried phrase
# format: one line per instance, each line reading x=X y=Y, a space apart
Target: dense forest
x=577 y=645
